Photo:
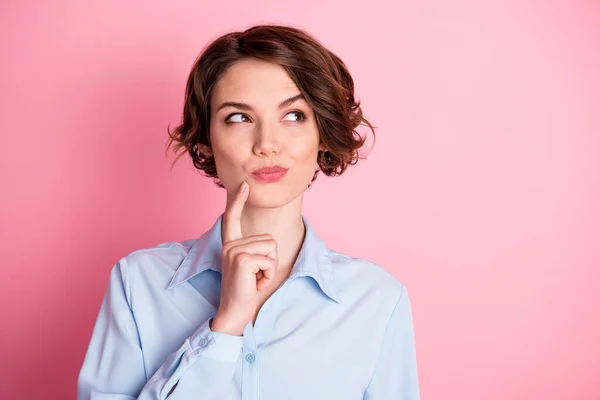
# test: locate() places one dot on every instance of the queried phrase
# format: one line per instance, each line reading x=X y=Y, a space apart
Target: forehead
x=254 y=82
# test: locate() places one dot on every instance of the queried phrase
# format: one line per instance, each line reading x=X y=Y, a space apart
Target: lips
x=269 y=170
x=269 y=174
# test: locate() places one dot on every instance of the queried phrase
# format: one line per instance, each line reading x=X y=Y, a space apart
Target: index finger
x=232 y=227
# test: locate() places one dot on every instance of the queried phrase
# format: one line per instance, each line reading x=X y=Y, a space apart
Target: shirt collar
x=313 y=260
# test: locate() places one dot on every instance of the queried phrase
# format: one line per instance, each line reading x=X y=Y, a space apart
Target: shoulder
x=364 y=278
x=166 y=252
x=153 y=263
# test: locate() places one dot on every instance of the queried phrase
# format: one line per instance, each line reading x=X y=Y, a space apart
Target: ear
x=205 y=150
x=322 y=147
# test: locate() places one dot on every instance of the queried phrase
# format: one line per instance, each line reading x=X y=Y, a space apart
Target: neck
x=283 y=223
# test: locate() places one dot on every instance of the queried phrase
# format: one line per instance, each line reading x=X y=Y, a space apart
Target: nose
x=267 y=140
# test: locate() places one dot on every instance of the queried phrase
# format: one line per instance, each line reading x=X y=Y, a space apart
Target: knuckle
x=241 y=258
x=229 y=250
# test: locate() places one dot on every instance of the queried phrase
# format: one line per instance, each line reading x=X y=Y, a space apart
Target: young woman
x=257 y=307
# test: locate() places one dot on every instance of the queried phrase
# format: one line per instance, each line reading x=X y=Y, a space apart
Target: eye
x=297 y=116
x=236 y=118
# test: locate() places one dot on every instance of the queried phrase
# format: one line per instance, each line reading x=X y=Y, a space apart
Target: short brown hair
x=319 y=74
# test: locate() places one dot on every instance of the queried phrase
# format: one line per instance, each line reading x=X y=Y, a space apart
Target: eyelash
x=302 y=116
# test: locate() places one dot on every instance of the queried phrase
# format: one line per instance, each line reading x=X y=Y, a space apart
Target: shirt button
x=203 y=342
x=250 y=358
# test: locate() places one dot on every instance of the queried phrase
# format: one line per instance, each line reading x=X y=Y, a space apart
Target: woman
x=257 y=307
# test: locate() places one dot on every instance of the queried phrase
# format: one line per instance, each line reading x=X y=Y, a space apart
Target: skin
x=262 y=227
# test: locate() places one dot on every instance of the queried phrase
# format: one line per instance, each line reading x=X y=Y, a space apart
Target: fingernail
x=243 y=188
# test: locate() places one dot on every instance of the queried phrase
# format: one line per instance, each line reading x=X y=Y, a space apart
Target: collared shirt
x=338 y=328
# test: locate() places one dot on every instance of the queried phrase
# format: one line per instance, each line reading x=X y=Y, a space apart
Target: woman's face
x=259 y=119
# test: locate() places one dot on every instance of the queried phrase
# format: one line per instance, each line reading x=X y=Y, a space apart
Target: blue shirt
x=337 y=328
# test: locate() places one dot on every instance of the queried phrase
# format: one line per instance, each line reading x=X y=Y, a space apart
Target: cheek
x=304 y=156
x=305 y=149
x=228 y=159
x=305 y=160
x=226 y=151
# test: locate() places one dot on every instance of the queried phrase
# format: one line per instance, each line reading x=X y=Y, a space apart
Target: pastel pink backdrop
x=481 y=194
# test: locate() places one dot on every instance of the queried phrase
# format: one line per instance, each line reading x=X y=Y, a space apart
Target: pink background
x=482 y=193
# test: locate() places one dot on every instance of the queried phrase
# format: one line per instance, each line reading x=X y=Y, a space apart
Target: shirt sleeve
x=395 y=375
x=113 y=368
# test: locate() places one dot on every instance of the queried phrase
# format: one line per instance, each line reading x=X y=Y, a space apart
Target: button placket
x=271 y=307
x=250 y=367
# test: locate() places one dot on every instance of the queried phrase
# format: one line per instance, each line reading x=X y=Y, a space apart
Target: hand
x=249 y=264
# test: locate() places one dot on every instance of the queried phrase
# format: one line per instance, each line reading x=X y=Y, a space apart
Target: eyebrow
x=247 y=107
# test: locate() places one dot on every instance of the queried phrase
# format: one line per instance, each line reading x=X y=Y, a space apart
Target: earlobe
x=322 y=147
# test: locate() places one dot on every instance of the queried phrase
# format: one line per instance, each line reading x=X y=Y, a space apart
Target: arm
x=395 y=375
x=114 y=369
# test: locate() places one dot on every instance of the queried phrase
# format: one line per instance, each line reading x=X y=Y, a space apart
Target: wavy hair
x=319 y=74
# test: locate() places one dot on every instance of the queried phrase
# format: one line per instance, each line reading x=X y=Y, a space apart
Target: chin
x=272 y=195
